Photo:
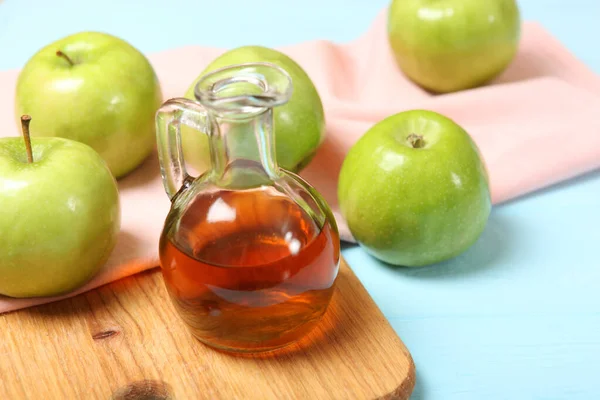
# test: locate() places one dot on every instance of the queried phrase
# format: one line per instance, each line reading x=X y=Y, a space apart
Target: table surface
x=517 y=316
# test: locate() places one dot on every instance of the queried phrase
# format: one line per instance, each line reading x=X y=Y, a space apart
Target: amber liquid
x=249 y=270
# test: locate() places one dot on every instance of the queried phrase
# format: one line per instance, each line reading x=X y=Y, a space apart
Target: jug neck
x=243 y=149
x=239 y=101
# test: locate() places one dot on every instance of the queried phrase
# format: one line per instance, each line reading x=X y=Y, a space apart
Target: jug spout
x=244 y=89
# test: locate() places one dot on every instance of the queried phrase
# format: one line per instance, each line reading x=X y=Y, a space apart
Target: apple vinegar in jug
x=249 y=252
x=258 y=275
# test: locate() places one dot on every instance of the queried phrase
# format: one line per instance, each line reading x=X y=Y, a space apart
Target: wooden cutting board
x=124 y=341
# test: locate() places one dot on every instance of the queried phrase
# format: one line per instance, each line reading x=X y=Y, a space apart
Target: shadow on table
x=486 y=253
x=419 y=392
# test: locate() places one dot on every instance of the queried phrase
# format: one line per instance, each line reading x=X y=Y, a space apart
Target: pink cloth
x=537 y=124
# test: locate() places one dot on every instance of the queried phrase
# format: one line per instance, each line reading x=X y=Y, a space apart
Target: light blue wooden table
x=518 y=315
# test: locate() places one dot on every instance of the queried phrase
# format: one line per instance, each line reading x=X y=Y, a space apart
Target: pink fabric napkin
x=536 y=125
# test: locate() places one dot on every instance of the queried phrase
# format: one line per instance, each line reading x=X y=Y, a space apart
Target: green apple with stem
x=450 y=45
x=59 y=218
x=96 y=89
x=414 y=189
x=299 y=124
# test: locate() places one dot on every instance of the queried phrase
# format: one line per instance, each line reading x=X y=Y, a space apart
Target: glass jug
x=249 y=252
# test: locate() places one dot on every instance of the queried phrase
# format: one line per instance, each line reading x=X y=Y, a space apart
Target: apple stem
x=66 y=57
x=416 y=141
x=25 y=120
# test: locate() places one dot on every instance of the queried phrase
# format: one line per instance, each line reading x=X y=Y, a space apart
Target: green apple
x=414 y=189
x=96 y=89
x=299 y=124
x=450 y=45
x=59 y=217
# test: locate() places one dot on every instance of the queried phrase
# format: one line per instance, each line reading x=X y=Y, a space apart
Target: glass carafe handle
x=169 y=118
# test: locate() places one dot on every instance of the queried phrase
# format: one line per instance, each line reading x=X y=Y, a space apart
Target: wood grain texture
x=124 y=341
